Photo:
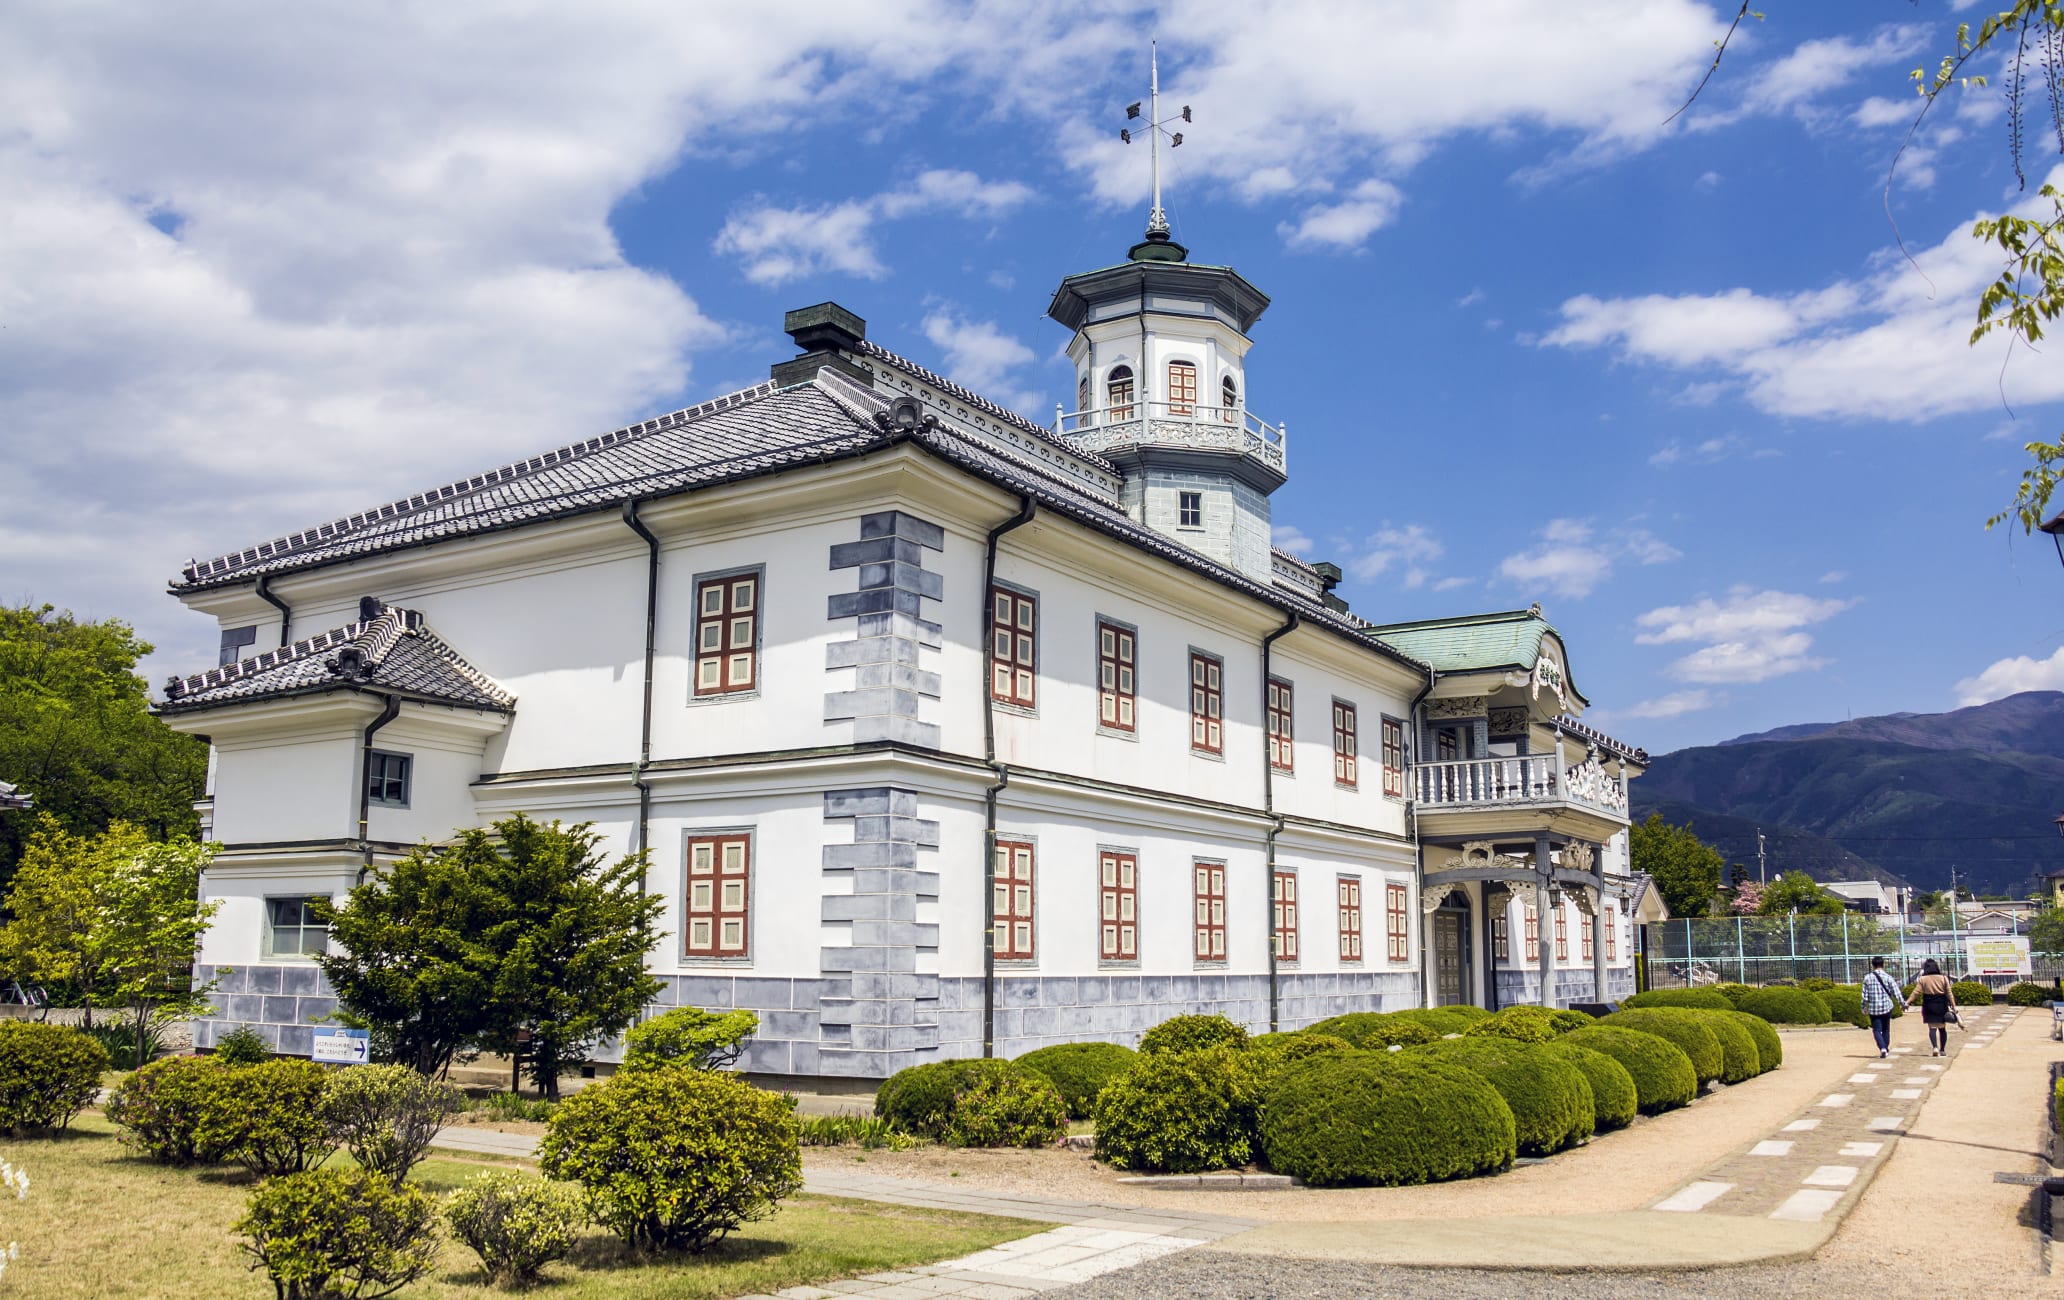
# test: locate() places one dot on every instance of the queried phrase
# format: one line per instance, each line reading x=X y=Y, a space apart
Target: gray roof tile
x=393 y=653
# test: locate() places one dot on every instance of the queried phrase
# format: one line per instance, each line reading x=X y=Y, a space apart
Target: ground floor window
x=1350 y=918
x=291 y=929
x=1120 y=907
x=1533 y=936
x=1397 y=926
x=1584 y=929
x=1612 y=934
x=1501 y=937
x=1210 y=917
x=1561 y=933
x=719 y=876
x=1286 y=915
x=1013 y=900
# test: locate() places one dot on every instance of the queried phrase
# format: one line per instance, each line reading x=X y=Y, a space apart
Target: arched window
x=1082 y=414
x=1182 y=388
x=1120 y=392
x=1229 y=400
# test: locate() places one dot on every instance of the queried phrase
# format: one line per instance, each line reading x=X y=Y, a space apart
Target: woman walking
x=1938 y=1003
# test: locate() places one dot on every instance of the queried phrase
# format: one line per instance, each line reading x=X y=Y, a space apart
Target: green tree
x=1685 y=869
x=77 y=734
x=518 y=932
x=1795 y=891
x=2046 y=932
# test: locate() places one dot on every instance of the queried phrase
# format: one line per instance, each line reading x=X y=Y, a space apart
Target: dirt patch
x=527 y=1127
x=1618 y=1171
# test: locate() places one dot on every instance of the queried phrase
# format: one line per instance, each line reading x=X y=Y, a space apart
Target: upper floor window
x=234 y=639
x=1286 y=915
x=1281 y=750
x=1117 y=679
x=1447 y=746
x=1189 y=509
x=1118 y=390
x=1013 y=906
x=291 y=929
x=1082 y=401
x=387 y=778
x=1346 y=762
x=1013 y=667
x=1394 y=758
x=1228 y=400
x=719 y=879
x=1207 y=703
x=1182 y=388
x=1350 y=918
x=727 y=634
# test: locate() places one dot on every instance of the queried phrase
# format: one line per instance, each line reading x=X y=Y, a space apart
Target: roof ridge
x=444 y=650
x=868 y=347
x=1458 y=619
x=196 y=570
x=211 y=678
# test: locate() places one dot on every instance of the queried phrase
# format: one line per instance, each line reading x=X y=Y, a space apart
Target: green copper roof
x=1475 y=642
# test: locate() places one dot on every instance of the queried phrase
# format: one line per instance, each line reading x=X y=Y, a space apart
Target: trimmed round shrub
x=1441 y=1020
x=1467 y=1011
x=1370 y=1030
x=689 y=1036
x=1550 y=1099
x=1079 y=1070
x=48 y=1074
x=1971 y=993
x=1191 y=1034
x=1702 y=999
x=1815 y=984
x=385 y=1115
x=1845 y=1003
x=270 y=1117
x=1281 y=1049
x=2025 y=994
x=1692 y=1037
x=919 y=1099
x=241 y=1046
x=1007 y=1108
x=1183 y=1112
x=515 y=1223
x=1387 y=1118
x=1786 y=1006
x=1662 y=1073
x=165 y=1105
x=1614 y=1102
x=334 y=1233
x=1734 y=993
x=1769 y=1047
x=1528 y=1024
x=1740 y=1058
x=674 y=1159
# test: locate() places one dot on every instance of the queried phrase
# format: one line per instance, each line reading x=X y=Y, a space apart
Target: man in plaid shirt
x=1880 y=994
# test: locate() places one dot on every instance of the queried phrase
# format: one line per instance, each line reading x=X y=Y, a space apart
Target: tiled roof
x=1599 y=740
x=981 y=403
x=392 y=653
x=12 y=799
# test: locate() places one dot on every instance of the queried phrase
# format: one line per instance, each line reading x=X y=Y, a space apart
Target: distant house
x=2053 y=886
x=13 y=800
x=1871 y=897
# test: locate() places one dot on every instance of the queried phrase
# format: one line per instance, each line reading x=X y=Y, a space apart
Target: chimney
x=1329 y=578
x=829 y=335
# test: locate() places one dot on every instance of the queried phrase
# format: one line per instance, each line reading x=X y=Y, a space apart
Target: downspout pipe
x=286 y=622
x=1026 y=509
x=365 y=783
x=1268 y=806
x=644 y=788
x=1412 y=812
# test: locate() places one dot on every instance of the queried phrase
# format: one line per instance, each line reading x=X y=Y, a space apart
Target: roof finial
x=1157 y=217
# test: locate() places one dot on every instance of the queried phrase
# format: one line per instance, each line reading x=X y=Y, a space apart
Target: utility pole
x=1956 y=946
x=1762 y=876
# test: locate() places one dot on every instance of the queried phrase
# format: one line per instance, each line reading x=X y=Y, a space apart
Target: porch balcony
x=1192 y=425
x=1476 y=796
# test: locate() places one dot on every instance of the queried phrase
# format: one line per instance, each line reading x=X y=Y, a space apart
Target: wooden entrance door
x=1450 y=976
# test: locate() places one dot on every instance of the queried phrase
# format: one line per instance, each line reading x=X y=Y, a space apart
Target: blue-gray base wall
x=282 y=1003
x=1516 y=987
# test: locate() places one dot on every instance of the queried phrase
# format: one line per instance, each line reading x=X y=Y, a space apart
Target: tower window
x=1189 y=509
x=1182 y=388
x=1229 y=400
x=1082 y=416
x=1119 y=391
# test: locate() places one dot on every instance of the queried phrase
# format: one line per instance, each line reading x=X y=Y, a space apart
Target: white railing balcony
x=1529 y=779
x=1175 y=424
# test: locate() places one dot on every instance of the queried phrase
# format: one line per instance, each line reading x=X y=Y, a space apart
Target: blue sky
x=1674 y=382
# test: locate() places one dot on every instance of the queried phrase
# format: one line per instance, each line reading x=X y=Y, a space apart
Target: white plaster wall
x=304 y=788
x=1310 y=790
x=1318 y=876
x=786 y=886
x=442 y=770
x=237 y=934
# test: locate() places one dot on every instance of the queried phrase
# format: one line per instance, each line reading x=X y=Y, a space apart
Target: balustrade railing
x=1520 y=779
x=1177 y=424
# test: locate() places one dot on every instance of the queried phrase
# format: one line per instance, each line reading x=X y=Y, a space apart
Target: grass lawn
x=99 y=1221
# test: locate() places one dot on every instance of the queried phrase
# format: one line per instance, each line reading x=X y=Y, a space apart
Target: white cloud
x=1573 y=560
x=1706 y=451
x=1348 y=223
x=1879 y=111
x=1452 y=584
x=1673 y=705
x=1890 y=345
x=775 y=245
x=1834 y=575
x=1410 y=548
x=1708 y=181
x=1797 y=83
x=1470 y=299
x=1752 y=636
x=1286 y=537
x=981 y=356
x=2011 y=677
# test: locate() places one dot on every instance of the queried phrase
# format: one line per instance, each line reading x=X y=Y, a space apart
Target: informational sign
x=340 y=1046
x=2005 y=954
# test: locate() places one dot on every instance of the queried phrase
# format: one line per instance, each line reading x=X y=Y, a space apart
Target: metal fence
x=1759 y=949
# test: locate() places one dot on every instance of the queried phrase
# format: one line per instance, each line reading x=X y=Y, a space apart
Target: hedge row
x=1550 y=1099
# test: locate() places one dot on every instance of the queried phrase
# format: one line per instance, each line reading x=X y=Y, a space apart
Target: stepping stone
x=1861 y=1150
x=1885 y=1124
x=1695 y=1197
x=1901 y=1051
x=1831 y=1176
x=1802 y=1126
x=1772 y=1149
x=1936 y=1068
x=1972 y=1047
x=1879 y=1065
x=1838 y=1099
x=1808 y=1206
x=1863 y=1078
x=1906 y=1094
x=1917 y=1079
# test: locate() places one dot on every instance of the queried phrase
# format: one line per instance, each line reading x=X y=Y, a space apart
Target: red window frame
x=1209 y=925
x=1282 y=740
x=1118 y=388
x=1013 y=647
x=727 y=634
x=1283 y=893
x=1346 y=761
x=1118 y=898
x=717 y=905
x=1207 y=703
x=1561 y=933
x=1533 y=935
x=1584 y=947
x=1612 y=934
x=1350 y=894
x=1011 y=911
x=1397 y=930
x=1393 y=758
x=1182 y=388
x=1501 y=938
x=1117 y=676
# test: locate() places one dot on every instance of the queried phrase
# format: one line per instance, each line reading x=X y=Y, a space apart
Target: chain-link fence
x=1759 y=949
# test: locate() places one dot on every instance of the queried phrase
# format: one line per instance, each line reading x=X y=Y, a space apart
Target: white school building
x=948 y=733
